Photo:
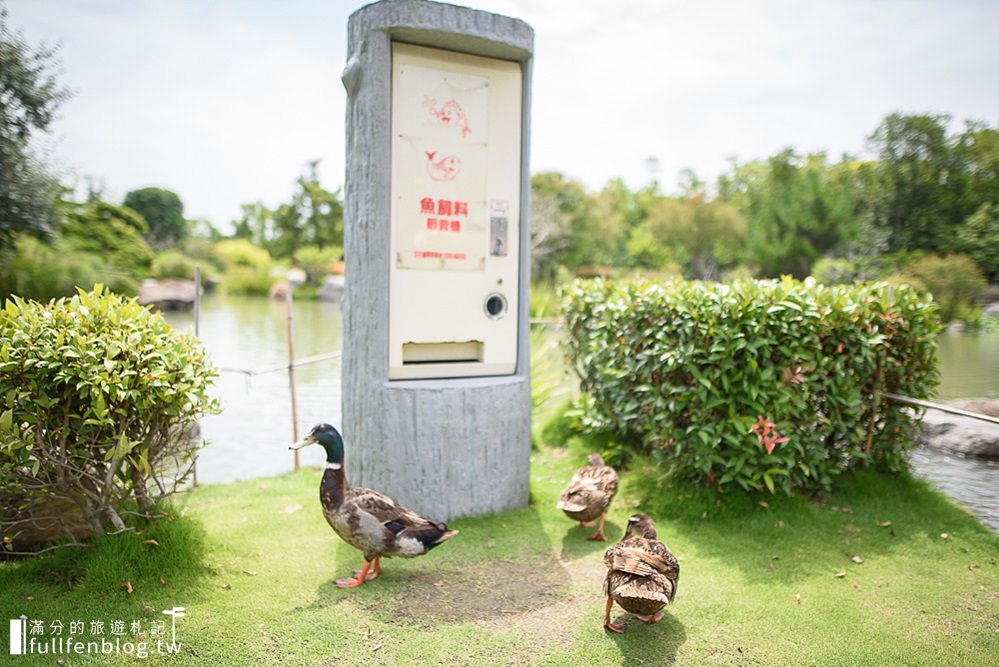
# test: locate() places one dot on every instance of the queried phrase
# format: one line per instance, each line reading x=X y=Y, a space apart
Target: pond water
x=969 y=368
x=250 y=437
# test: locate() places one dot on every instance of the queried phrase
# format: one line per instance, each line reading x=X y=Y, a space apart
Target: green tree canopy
x=312 y=217
x=163 y=212
x=797 y=209
x=29 y=98
x=702 y=236
x=109 y=231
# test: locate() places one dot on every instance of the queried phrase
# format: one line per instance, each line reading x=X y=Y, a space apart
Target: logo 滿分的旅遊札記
x=56 y=637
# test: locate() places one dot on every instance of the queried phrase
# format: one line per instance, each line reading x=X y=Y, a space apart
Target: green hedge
x=762 y=384
x=98 y=401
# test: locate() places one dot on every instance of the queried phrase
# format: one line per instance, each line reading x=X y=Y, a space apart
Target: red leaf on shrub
x=771 y=442
x=793 y=375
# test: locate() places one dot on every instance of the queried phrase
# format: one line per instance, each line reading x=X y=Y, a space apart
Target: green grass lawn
x=791 y=583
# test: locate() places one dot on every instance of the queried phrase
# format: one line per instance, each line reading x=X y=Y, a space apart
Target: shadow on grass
x=496 y=567
x=121 y=576
x=643 y=644
x=575 y=544
x=766 y=536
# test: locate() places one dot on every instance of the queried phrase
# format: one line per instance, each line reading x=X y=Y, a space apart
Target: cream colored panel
x=456 y=125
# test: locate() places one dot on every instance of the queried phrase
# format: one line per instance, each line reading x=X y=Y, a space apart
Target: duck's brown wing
x=642 y=557
x=641 y=569
x=590 y=487
x=384 y=510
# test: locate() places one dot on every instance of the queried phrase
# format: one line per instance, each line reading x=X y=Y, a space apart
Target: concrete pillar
x=444 y=446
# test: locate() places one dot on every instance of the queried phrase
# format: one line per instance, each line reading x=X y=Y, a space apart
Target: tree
x=96 y=242
x=702 y=236
x=163 y=212
x=29 y=99
x=322 y=210
x=255 y=225
x=313 y=217
x=978 y=237
x=797 y=209
x=583 y=233
x=550 y=235
x=913 y=192
x=114 y=233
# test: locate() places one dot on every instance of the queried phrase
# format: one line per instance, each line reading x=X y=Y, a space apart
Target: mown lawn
x=795 y=582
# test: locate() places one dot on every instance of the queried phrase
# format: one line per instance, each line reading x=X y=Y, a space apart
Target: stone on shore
x=168 y=294
x=961 y=435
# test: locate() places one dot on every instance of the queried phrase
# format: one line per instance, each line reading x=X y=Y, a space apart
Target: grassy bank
x=791 y=583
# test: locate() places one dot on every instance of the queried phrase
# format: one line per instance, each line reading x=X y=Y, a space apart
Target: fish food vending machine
x=435 y=391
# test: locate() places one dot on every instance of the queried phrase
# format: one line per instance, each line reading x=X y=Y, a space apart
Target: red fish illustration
x=444 y=169
x=450 y=114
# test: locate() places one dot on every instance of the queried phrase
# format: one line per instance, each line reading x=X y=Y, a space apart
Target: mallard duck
x=365 y=519
x=642 y=573
x=589 y=494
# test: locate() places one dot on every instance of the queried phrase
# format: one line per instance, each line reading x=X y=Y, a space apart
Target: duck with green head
x=365 y=519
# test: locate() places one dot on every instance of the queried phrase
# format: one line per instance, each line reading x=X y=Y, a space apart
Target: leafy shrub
x=317 y=262
x=173 y=263
x=110 y=231
x=953 y=280
x=761 y=384
x=33 y=269
x=247 y=267
x=240 y=252
x=245 y=280
x=98 y=399
x=834 y=271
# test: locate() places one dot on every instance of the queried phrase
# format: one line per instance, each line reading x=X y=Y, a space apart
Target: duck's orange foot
x=652 y=618
x=369 y=571
x=598 y=536
x=352 y=582
x=619 y=628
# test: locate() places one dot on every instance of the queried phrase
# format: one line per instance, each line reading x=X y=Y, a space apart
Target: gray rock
x=991 y=310
x=956 y=327
x=168 y=294
x=332 y=288
x=963 y=435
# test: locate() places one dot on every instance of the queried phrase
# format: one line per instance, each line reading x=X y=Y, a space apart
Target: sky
x=225 y=101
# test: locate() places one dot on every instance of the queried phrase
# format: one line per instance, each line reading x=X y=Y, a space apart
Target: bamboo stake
x=936 y=406
x=291 y=371
x=197 y=318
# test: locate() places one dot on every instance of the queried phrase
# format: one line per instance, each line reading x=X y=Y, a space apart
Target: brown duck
x=365 y=519
x=642 y=574
x=589 y=494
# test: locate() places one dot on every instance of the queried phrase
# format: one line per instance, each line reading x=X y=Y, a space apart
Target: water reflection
x=969 y=366
x=250 y=437
x=974 y=483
